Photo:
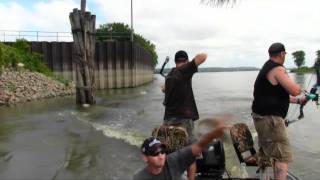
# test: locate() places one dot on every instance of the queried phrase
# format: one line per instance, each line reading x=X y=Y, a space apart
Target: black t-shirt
x=179 y=99
x=269 y=99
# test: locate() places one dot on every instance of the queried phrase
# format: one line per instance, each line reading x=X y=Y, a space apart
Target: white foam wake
x=128 y=136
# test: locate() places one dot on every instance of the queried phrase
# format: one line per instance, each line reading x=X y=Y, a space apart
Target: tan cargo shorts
x=273 y=138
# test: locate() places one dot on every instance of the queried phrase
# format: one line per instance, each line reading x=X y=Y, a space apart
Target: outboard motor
x=212 y=163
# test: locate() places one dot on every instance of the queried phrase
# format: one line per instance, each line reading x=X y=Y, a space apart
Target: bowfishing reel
x=313 y=96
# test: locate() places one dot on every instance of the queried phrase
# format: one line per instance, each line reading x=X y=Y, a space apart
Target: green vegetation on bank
x=20 y=52
x=302 y=70
x=122 y=32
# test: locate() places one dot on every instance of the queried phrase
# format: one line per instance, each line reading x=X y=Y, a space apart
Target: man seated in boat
x=172 y=166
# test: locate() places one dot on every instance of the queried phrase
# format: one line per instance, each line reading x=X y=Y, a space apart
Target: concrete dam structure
x=118 y=64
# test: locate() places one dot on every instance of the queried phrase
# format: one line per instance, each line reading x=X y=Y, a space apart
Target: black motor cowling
x=212 y=163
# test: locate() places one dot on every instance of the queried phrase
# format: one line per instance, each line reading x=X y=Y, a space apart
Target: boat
x=237 y=148
x=242 y=160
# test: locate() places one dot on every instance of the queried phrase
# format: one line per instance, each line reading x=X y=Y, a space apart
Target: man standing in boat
x=180 y=106
x=161 y=166
x=273 y=91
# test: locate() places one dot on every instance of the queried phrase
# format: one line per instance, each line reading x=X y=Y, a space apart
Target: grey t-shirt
x=176 y=163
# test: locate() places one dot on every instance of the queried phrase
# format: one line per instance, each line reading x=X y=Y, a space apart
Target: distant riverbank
x=215 y=69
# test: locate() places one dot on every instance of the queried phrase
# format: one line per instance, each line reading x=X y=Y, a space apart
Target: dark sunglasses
x=157 y=153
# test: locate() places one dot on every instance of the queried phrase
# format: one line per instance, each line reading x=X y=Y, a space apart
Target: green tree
x=1 y=59
x=113 y=31
x=299 y=58
x=122 y=32
x=317 y=61
x=317 y=66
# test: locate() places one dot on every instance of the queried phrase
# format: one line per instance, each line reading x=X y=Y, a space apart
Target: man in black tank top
x=273 y=91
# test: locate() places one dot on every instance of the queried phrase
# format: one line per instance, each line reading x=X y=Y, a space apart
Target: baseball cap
x=276 y=48
x=180 y=55
x=152 y=146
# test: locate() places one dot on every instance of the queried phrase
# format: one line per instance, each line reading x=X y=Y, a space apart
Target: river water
x=54 y=139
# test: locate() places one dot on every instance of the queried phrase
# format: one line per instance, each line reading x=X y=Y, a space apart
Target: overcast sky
x=231 y=36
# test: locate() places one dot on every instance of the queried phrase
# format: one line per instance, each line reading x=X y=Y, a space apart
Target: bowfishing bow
x=163 y=65
x=312 y=95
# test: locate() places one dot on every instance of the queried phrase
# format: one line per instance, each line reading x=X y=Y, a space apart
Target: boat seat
x=243 y=144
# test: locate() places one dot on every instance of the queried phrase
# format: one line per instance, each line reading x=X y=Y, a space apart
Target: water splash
x=143 y=92
x=129 y=136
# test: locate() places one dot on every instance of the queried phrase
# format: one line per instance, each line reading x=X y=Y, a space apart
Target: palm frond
x=219 y=3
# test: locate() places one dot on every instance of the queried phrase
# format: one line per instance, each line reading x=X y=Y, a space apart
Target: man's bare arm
x=200 y=58
x=285 y=81
x=298 y=100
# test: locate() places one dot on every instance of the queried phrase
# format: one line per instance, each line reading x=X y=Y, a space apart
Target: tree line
x=122 y=32
x=299 y=60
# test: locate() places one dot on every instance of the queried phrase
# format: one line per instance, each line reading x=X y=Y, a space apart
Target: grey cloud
x=237 y=36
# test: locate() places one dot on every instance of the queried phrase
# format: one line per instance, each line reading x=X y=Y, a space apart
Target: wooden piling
x=83 y=31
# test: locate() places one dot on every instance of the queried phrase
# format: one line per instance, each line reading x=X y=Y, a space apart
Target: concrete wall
x=117 y=64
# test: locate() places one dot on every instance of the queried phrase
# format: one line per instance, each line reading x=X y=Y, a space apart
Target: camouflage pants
x=187 y=124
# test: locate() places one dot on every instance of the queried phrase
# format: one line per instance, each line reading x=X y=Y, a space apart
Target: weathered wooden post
x=83 y=31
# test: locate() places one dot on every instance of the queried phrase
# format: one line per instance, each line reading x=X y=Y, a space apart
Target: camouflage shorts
x=187 y=124
x=273 y=138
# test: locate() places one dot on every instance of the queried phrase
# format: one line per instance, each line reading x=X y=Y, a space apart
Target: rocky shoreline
x=23 y=85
